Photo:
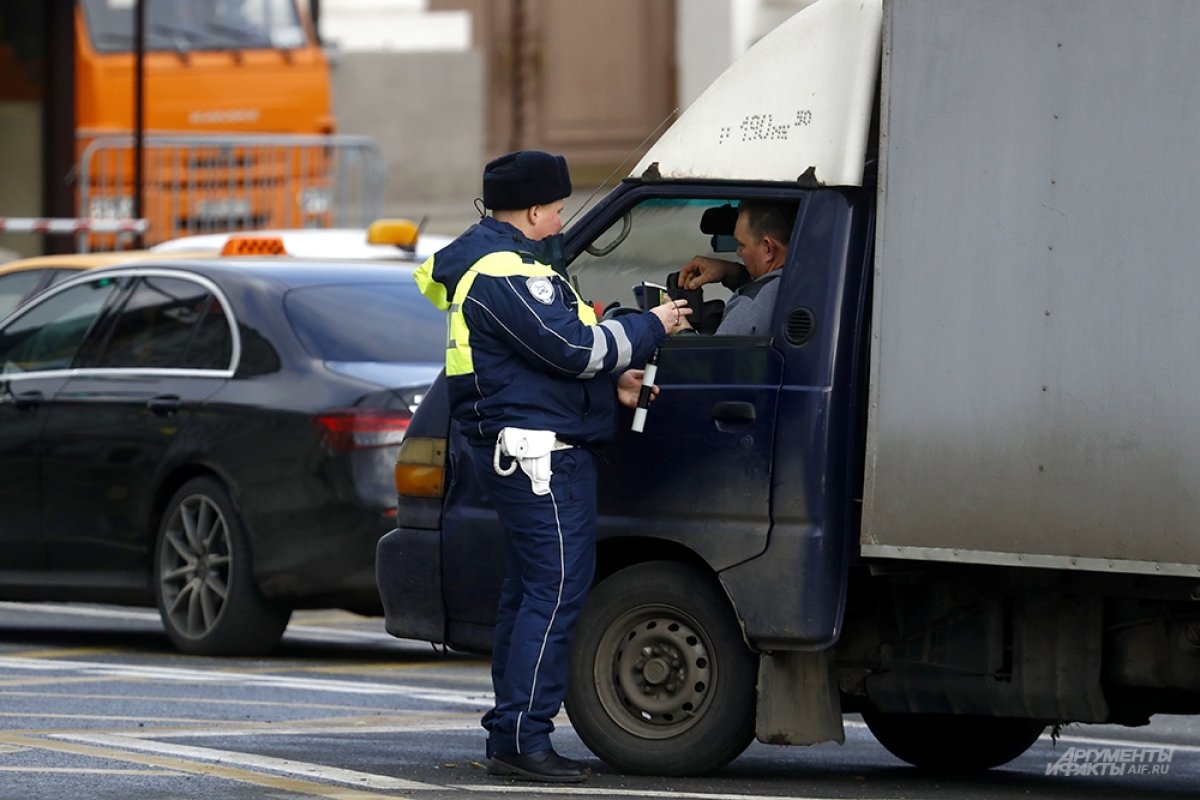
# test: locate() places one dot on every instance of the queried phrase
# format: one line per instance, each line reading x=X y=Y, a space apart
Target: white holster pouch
x=531 y=451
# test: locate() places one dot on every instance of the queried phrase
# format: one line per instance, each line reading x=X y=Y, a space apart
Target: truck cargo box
x=1035 y=390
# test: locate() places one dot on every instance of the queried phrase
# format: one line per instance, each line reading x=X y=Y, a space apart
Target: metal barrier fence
x=70 y=225
x=213 y=184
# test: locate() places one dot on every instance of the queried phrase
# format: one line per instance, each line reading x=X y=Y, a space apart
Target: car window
x=15 y=286
x=655 y=238
x=59 y=275
x=379 y=322
x=211 y=346
x=168 y=323
x=48 y=334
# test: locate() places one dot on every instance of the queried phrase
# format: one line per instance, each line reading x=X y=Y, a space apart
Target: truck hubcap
x=659 y=678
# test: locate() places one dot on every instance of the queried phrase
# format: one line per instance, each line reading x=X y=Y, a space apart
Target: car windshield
x=379 y=322
x=182 y=25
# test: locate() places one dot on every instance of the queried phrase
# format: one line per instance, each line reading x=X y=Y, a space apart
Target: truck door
x=700 y=471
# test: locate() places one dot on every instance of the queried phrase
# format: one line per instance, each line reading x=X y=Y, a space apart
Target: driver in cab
x=762 y=232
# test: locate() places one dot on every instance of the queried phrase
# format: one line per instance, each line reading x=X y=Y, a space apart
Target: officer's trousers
x=551 y=558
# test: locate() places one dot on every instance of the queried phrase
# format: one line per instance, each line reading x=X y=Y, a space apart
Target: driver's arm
x=706 y=269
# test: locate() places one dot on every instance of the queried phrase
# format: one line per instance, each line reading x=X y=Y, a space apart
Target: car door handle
x=164 y=404
x=733 y=411
x=27 y=399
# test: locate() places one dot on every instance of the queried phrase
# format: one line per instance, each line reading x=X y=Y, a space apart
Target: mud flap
x=798 y=699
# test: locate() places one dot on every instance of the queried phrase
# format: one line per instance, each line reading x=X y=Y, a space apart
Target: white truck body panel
x=1035 y=376
x=798 y=101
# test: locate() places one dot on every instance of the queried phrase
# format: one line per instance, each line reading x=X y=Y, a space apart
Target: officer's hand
x=673 y=315
x=704 y=269
x=629 y=386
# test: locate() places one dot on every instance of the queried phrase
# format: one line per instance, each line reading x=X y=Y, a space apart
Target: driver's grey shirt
x=748 y=311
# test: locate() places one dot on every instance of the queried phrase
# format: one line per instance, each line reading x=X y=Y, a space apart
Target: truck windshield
x=183 y=25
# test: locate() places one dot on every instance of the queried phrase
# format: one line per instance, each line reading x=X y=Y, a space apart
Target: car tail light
x=362 y=428
x=421 y=468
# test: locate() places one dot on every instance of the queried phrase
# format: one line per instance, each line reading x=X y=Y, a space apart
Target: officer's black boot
x=545 y=765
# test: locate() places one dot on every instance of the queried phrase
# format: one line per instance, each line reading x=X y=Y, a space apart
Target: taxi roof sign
x=402 y=233
x=249 y=245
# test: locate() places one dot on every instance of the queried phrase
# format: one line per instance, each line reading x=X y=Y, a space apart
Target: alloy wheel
x=195 y=565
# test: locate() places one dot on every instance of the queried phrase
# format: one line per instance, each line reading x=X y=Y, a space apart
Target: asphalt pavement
x=94 y=703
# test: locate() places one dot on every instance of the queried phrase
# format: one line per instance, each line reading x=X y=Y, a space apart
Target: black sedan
x=216 y=437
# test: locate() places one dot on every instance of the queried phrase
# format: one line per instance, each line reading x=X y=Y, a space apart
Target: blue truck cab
x=919 y=494
x=715 y=483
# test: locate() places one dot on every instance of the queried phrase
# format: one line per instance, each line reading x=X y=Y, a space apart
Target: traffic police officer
x=534 y=380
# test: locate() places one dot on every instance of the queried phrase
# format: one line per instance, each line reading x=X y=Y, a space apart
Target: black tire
x=204 y=581
x=661 y=682
x=953 y=743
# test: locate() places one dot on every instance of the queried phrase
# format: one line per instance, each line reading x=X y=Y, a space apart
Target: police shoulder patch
x=541 y=289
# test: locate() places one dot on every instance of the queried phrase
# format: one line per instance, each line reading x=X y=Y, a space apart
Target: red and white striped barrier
x=70 y=226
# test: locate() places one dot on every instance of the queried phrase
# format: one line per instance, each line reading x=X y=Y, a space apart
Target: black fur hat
x=523 y=179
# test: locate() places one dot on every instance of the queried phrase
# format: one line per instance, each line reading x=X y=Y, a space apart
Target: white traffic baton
x=643 y=402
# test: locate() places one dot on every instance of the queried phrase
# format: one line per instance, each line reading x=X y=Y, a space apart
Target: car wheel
x=661 y=682
x=953 y=743
x=203 y=578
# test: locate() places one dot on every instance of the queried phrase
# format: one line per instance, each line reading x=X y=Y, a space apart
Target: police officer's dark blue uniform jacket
x=517 y=329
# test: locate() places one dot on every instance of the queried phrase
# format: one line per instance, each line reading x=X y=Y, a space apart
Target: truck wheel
x=203 y=578
x=661 y=682
x=953 y=743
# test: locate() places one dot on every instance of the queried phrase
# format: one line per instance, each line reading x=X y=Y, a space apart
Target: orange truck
x=236 y=116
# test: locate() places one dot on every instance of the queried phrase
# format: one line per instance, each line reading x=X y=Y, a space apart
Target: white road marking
x=584 y=791
x=185 y=675
x=268 y=729
x=81 y=611
x=266 y=763
x=1107 y=742
x=143 y=615
x=367 y=780
x=1082 y=738
x=153 y=773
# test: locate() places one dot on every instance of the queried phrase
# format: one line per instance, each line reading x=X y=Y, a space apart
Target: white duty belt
x=531 y=451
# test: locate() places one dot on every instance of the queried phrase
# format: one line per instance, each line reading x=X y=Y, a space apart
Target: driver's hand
x=705 y=269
